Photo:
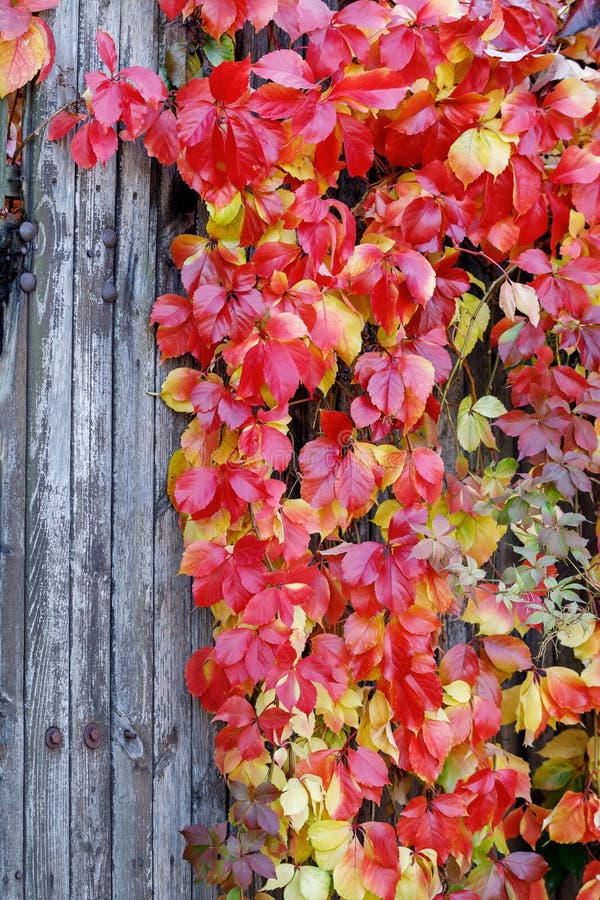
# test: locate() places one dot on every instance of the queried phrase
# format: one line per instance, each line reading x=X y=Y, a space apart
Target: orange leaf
x=22 y=58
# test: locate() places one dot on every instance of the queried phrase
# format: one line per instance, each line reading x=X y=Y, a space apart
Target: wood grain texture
x=13 y=362
x=91 y=504
x=133 y=490
x=50 y=176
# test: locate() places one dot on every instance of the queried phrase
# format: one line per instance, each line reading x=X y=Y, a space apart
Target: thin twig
x=41 y=127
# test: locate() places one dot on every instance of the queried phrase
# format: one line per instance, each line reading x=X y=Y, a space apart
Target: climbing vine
x=339 y=349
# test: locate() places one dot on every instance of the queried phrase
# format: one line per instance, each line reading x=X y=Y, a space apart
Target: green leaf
x=490 y=407
x=553 y=775
x=219 y=51
x=176 y=63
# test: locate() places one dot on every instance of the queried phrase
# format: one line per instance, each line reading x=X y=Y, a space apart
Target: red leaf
x=380 y=88
x=229 y=80
x=359 y=151
x=62 y=123
x=171 y=310
x=47 y=37
x=161 y=140
x=459 y=662
x=510 y=654
x=367 y=767
x=149 y=84
x=14 y=20
x=285 y=67
x=172 y=8
x=107 y=50
x=195 y=489
x=528 y=867
x=107 y=98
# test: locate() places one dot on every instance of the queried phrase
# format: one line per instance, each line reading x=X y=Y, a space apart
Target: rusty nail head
x=28 y=282
x=53 y=738
x=27 y=231
x=109 y=237
x=129 y=734
x=92 y=735
x=109 y=292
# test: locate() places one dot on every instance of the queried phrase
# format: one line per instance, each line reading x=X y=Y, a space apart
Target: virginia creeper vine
x=361 y=749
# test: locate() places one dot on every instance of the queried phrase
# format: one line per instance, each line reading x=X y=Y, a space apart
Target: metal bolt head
x=109 y=292
x=109 y=237
x=27 y=231
x=92 y=735
x=129 y=734
x=53 y=738
x=28 y=282
x=18 y=875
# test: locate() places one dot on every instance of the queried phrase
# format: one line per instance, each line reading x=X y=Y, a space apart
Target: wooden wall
x=94 y=625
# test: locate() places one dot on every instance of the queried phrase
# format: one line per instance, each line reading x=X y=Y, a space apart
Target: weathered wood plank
x=172 y=600
x=13 y=361
x=51 y=190
x=90 y=780
x=133 y=492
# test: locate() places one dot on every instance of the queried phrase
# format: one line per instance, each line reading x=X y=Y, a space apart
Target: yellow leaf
x=224 y=215
x=457 y=692
x=176 y=389
x=478 y=535
x=328 y=379
x=344 y=324
x=207 y=529
x=294 y=803
x=229 y=441
x=529 y=710
x=375 y=729
x=330 y=840
x=510 y=701
x=575 y=634
x=384 y=514
x=478 y=150
x=314 y=883
x=284 y=873
x=569 y=744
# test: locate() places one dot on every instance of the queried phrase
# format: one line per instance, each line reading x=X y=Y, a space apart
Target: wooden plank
x=13 y=361
x=51 y=189
x=133 y=492
x=172 y=596
x=91 y=503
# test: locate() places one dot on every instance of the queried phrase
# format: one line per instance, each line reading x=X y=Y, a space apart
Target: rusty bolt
x=129 y=734
x=27 y=231
x=109 y=237
x=53 y=738
x=28 y=282
x=109 y=292
x=92 y=735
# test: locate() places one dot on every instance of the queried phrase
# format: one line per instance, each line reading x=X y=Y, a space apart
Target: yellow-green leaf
x=471 y=321
x=478 y=150
x=330 y=841
x=569 y=744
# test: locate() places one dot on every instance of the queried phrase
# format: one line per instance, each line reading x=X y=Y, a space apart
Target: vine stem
x=40 y=128
x=461 y=357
